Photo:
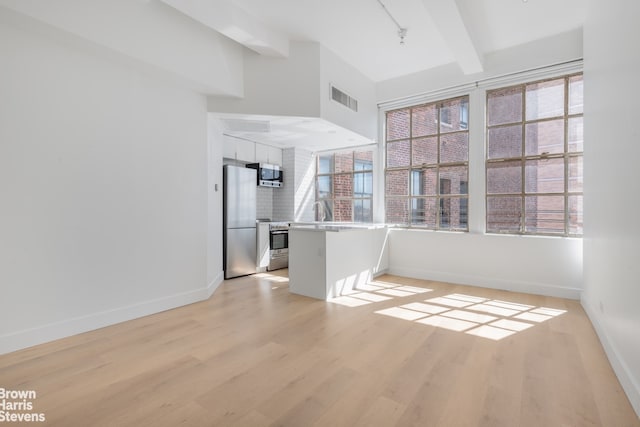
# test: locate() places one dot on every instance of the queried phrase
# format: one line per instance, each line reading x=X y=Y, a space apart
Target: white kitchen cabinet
x=275 y=156
x=262 y=153
x=247 y=151
x=317 y=255
x=228 y=148
x=268 y=154
x=239 y=149
x=263 y=246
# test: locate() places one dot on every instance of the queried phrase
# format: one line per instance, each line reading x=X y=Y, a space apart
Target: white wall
x=553 y=50
x=336 y=72
x=103 y=177
x=148 y=32
x=277 y=86
x=612 y=201
x=538 y=265
x=215 y=269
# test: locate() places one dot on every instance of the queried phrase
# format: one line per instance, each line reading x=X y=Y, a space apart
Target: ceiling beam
x=235 y=23
x=449 y=22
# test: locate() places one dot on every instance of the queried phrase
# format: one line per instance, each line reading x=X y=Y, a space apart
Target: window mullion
x=547 y=203
x=566 y=156
x=421 y=207
x=410 y=184
x=439 y=159
x=523 y=161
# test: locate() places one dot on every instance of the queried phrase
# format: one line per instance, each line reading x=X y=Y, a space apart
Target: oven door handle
x=279 y=232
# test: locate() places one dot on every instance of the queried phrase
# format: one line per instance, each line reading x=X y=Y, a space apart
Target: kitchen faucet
x=321 y=206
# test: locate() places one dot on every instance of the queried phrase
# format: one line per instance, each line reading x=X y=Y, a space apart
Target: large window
x=426 y=174
x=344 y=186
x=534 y=158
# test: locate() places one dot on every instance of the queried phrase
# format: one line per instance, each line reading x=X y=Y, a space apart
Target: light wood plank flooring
x=403 y=352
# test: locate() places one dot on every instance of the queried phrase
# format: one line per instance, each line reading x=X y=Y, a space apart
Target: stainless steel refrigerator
x=239 y=218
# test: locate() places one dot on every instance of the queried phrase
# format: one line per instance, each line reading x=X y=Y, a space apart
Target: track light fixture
x=402 y=31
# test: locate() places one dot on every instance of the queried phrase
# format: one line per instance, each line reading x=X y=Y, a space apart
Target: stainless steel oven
x=278 y=245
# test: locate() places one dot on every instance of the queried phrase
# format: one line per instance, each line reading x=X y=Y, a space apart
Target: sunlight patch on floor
x=376 y=291
x=370 y=297
x=395 y=292
x=491 y=319
x=447 y=323
x=450 y=302
x=401 y=313
x=350 y=301
x=512 y=325
x=425 y=308
x=482 y=317
x=272 y=277
x=491 y=332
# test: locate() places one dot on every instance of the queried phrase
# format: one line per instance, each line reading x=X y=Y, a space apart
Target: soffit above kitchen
x=310 y=133
x=313 y=100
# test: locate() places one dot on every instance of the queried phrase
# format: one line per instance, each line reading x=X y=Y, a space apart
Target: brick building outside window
x=534 y=158
x=426 y=173
x=344 y=186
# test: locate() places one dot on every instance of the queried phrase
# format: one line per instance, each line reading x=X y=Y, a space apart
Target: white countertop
x=335 y=226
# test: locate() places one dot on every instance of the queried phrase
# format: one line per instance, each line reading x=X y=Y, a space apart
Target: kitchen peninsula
x=327 y=260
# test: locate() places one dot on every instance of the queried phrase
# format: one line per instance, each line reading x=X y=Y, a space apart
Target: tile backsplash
x=294 y=200
x=264 y=202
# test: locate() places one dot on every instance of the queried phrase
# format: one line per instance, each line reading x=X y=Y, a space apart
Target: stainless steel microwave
x=268 y=175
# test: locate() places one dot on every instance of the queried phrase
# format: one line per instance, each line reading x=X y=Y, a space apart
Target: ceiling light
x=402 y=31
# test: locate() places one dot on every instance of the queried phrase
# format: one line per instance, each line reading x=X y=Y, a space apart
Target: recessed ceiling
x=311 y=133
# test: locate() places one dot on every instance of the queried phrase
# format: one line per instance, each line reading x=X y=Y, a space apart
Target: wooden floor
x=256 y=355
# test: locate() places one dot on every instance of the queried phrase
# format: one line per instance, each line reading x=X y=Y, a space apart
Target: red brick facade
x=534 y=161
x=344 y=186
x=427 y=151
x=529 y=154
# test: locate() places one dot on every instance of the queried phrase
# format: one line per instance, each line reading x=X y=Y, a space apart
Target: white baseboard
x=620 y=367
x=217 y=281
x=487 y=282
x=381 y=272
x=77 y=325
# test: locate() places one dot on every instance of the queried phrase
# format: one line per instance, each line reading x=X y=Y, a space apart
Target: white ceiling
x=361 y=33
x=312 y=133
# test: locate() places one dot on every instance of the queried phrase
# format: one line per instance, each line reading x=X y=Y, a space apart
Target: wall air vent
x=245 y=125
x=344 y=99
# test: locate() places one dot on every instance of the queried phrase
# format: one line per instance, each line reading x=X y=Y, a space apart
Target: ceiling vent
x=243 y=125
x=344 y=99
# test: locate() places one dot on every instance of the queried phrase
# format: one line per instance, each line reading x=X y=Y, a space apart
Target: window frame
x=353 y=172
x=566 y=155
x=438 y=198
